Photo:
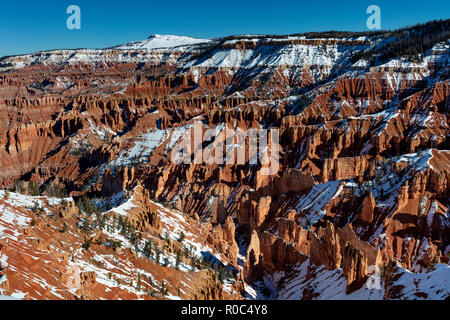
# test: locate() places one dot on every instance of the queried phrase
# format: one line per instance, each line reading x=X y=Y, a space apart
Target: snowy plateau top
x=238 y=52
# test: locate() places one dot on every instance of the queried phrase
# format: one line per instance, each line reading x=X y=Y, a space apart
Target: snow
x=177 y=134
x=331 y=284
x=124 y=207
x=147 y=143
x=89 y=56
x=327 y=284
x=167 y=48
x=158 y=41
x=313 y=203
x=173 y=223
x=8 y=298
x=142 y=148
x=273 y=56
x=8 y=215
x=435 y=284
x=419 y=161
x=100 y=132
x=12 y=219
x=182 y=51
x=144 y=145
x=431 y=213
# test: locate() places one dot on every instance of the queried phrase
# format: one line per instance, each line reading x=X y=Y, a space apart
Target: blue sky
x=29 y=26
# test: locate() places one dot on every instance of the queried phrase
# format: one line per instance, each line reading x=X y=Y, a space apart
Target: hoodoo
x=101 y=197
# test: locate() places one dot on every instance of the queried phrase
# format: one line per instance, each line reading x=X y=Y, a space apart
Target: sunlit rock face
x=95 y=207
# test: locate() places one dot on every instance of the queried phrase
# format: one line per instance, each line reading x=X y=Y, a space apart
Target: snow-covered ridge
x=158 y=41
x=331 y=285
x=167 y=48
x=268 y=51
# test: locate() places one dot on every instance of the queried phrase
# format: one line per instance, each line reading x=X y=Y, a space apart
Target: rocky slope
x=86 y=145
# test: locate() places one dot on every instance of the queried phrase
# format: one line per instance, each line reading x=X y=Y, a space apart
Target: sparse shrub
x=178 y=260
x=163 y=290
x=34 y=189
x=37 y=208
x=182 y=237
x=87 y=245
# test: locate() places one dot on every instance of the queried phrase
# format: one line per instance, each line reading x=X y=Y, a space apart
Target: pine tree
x=147 y=249
x=138 y=282
x=182 y=237
x=178 y=260
x=158 y=255
x=163 y=290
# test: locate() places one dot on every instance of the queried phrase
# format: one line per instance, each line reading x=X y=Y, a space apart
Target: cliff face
x=137 y=250
x=363 y=154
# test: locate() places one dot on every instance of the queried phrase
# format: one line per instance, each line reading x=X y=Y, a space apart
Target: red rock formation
x=367 y=211
x=363 y=179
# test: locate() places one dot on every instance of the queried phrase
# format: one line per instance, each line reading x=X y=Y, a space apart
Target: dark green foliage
x=178 y=260
x=55 y=190
x=37 y=208
x=82 y=149
x=114 y=244
x=158 y=255
x=64 y=228
x=85 y=204
x=34 y=189
x=6 y=64
x=18 y=187
x=302 y=102
x=182 y=237
x=163 y=290
x=87 y=245
x=138 y=282
x=148 y=251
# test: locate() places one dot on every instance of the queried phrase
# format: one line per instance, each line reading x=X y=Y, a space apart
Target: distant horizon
x=103 y=25
x=220 y=37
